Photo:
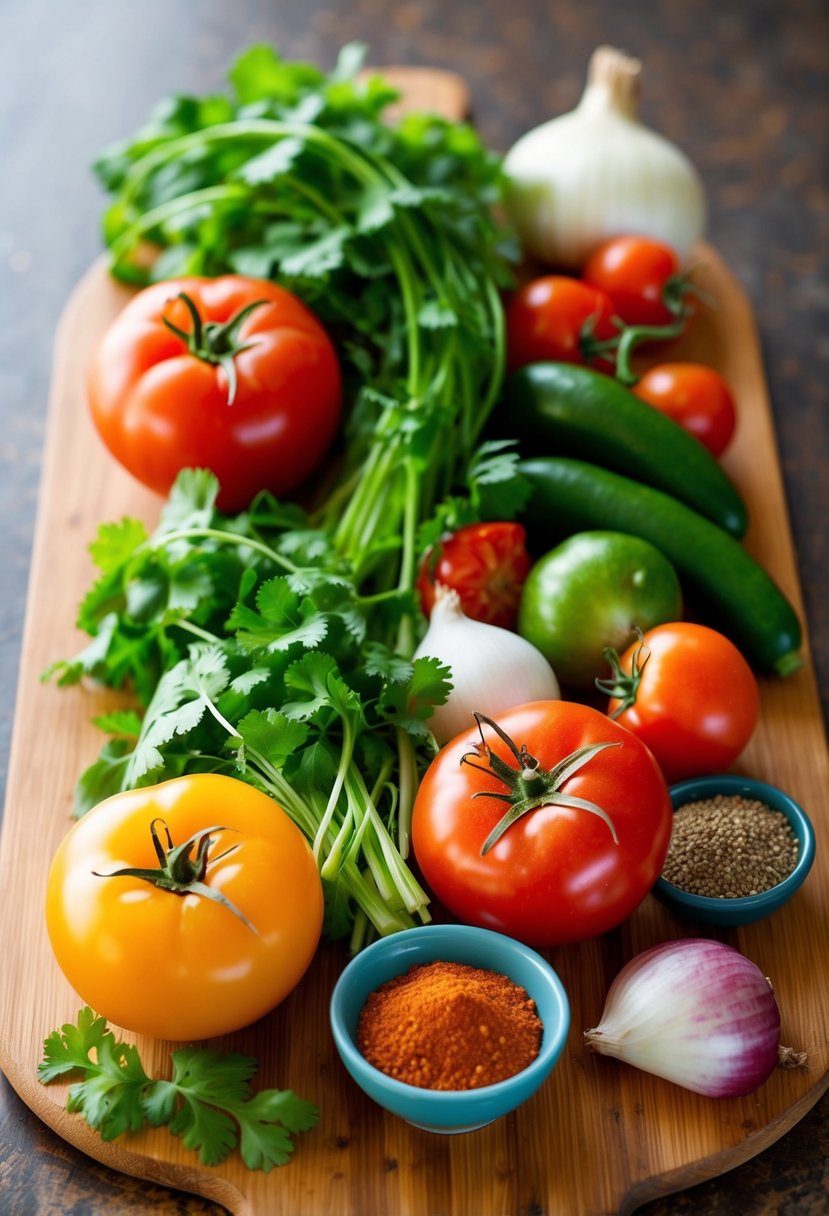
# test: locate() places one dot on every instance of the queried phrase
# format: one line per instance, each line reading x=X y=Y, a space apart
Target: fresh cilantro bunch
x=385 y=229
x=207 y=1101
x=277 y=644
x=257 y=655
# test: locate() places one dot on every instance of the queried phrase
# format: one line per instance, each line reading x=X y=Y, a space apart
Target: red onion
x=696 y=1012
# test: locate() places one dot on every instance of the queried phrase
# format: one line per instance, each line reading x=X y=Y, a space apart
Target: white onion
x=696 y=1012
x=597 y=172
x=493 y=669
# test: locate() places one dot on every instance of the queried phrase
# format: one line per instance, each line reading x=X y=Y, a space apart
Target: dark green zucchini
x=560 y=409
x=736 y=594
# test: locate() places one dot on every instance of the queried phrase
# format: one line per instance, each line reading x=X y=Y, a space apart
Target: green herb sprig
x=207 y=1102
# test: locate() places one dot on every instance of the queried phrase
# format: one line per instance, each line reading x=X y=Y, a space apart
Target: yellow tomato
x=191 y=963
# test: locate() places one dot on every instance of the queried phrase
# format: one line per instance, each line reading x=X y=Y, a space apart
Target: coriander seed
x=728 y=847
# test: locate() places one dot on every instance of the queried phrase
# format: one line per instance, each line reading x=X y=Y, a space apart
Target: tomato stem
x=214 y=341
x=630 y=339
x=529 y=785
x=178 y=872
x=622 y=686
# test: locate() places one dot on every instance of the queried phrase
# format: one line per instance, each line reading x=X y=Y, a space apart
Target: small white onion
x=493 y=669
x=696 y=1012
x=598 y=172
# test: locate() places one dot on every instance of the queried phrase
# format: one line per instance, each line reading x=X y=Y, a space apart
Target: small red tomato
x=231 y=374
x=486 y=564
x=687 y=692
x=559 y=319
x=642 y=277
x=695 y=396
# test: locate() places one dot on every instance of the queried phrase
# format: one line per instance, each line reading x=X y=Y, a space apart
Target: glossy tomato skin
x=695 y=396
x=634 y=272
x=556 y=875
x=551 y=318
x=697 y=704
x=486 y=563
x=181 y=967
x=159 y=408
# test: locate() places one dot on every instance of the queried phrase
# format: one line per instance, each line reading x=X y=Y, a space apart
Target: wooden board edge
x=660 y=1186
x=75 y=1131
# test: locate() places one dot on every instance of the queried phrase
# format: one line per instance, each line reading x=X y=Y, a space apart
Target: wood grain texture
x=598 y=1137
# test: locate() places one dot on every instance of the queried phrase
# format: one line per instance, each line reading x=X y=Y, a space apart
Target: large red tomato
x=231 y=374
x=562 y=870
x=688 y=693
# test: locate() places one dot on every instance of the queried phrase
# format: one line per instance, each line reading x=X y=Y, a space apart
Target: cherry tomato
x=642 y=277
x=255 y=395
x=695 y=701
x=559 y=872
x=559 y=319
x=695 y=396
x=183 y=965
x=486 y=564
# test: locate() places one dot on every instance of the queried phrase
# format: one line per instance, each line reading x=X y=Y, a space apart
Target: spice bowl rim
x=746 y=909
x=449 y=1111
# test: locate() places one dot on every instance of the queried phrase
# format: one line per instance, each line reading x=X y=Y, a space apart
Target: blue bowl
x=449 y=1110
x=729 y=913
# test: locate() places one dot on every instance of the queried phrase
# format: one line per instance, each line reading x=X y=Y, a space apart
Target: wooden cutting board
x=599 y=1137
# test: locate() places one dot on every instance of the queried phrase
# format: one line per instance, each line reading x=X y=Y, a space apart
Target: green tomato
x=592 y=591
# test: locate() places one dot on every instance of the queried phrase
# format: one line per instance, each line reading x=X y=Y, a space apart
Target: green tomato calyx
x=529 y=785
x=180 y=873
x=214 y=342
x=621 y=686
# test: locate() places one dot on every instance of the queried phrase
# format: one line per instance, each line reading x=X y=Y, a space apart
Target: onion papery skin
x=695 y=1012
x=493 y=669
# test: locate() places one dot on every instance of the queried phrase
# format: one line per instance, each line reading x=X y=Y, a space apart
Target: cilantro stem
x=407 y=782
x=161 y=539
x=339 y=781
x=196 y=630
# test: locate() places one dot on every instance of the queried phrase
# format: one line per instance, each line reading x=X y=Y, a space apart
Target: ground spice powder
x=447 y=1025
x=727 y=847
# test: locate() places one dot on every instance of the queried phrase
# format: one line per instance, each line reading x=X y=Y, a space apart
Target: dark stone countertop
x=742 y=87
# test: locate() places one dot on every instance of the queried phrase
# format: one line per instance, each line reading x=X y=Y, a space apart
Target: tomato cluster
x=632 y=290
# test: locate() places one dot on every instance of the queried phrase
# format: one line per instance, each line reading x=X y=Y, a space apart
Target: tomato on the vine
x=486 y=563
x=643 y=278
x=695 y=396
x=688 y=693
x=560 y=319
x=184 y=910
x=580 y=848
x=231 y=374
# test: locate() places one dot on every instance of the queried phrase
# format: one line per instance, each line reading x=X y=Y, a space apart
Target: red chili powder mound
x=447 y=1025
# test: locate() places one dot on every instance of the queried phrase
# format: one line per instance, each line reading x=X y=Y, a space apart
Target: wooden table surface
x=742 y=85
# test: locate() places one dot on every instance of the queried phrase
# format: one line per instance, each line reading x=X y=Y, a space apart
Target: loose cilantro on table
x=207 y=1101
x=277 y=644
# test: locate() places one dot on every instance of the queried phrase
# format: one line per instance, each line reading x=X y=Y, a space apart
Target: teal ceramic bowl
x=449 y=1110
x=729 y=913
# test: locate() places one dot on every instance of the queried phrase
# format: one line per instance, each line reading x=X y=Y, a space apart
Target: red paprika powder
x=446 y=1025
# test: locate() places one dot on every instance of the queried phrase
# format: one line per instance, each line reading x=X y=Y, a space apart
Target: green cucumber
x=736 y=594
x=561 y=409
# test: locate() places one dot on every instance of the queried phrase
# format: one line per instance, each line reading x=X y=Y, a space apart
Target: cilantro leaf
x=282 y=618
x=207 y=1102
